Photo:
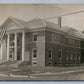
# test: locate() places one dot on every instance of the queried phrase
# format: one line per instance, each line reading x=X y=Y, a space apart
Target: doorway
x=19 y=46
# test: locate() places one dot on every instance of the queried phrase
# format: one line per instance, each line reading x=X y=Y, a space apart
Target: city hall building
x=39 y=43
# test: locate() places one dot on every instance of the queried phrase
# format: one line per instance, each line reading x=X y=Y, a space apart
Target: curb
x=32 y=75
x=51 y=73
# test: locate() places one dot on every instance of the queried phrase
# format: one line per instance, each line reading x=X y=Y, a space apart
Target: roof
x=40 y=23
x=34 y=23
x=73 y=32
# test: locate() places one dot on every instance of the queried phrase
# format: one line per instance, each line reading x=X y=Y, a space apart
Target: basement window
x=55 y=63
x=50 y=63
x=34 y=63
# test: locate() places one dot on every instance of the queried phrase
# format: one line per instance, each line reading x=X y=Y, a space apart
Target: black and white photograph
x=41 y=42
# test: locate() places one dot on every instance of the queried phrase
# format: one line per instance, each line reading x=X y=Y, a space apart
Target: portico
x=15 y=46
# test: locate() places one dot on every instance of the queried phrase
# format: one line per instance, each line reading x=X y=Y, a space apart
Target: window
x=71 y=56
x=67 y=55
x=66 y=41
x=60 y=53
x=53 y=37
x=11 y=44
x=34 y=37
x=56 y=38
x=59 y=63
x=34 y=63
x=10 y=56
x=12 y=37
x=71 y=41
x=50 y=63
x=34 y=53
x=78 y=56
x=50 y=53
x=55 y=63
x=66 y=63
x=27 y=37
x=19 y=39
x=75 y=56
x=11 y=52
x=77 y=43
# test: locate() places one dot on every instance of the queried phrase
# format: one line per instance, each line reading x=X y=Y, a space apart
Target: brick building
x=40 y=43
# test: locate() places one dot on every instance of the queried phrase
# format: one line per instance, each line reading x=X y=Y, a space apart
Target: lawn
x=48 y=73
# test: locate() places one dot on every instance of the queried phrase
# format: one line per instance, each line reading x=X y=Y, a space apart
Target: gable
x=35 y=23
x=11 y=25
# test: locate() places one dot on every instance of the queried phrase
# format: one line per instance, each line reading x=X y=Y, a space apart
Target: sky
x=41 y=82
x=41 y=1
x=30 y=11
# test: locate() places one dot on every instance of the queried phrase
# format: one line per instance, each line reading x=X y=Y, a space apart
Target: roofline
x=45 y=28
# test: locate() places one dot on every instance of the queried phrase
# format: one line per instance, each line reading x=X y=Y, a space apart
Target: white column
x=23 y=45
x=15 y=46
x=8 y=47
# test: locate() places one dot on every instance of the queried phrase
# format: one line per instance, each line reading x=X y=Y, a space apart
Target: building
x=40 y=43
x=82 y=50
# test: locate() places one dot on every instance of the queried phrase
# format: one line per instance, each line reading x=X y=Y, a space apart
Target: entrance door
x=19 y=46
x=19 y=55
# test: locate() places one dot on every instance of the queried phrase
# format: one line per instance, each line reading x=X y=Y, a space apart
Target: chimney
x=59 y=21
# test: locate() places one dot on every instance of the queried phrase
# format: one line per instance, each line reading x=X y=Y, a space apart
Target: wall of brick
x=55 y=52
x=39 y=45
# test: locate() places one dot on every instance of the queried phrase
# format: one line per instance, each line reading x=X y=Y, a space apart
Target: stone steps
x=25 y=63
x=8 y=63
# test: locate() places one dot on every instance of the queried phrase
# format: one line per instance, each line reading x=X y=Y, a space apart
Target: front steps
x=25 y=63
x=15 y=63
x=7 y=63
x=15 y=67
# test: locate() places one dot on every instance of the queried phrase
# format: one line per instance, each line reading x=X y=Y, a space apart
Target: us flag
x=3 y=30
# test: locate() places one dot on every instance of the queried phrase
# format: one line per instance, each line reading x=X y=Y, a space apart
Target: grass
x=30 y=71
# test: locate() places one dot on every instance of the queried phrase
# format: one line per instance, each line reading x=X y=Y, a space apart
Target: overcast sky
x=31 y=11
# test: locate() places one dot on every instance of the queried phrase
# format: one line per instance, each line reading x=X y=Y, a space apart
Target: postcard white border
x=40 y=2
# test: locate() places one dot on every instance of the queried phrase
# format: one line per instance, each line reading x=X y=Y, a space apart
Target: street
x=62 y=76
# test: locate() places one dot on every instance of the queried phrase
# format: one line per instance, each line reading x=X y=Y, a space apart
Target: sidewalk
x=58 y=73
x=34 y=76
x=46 y=71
